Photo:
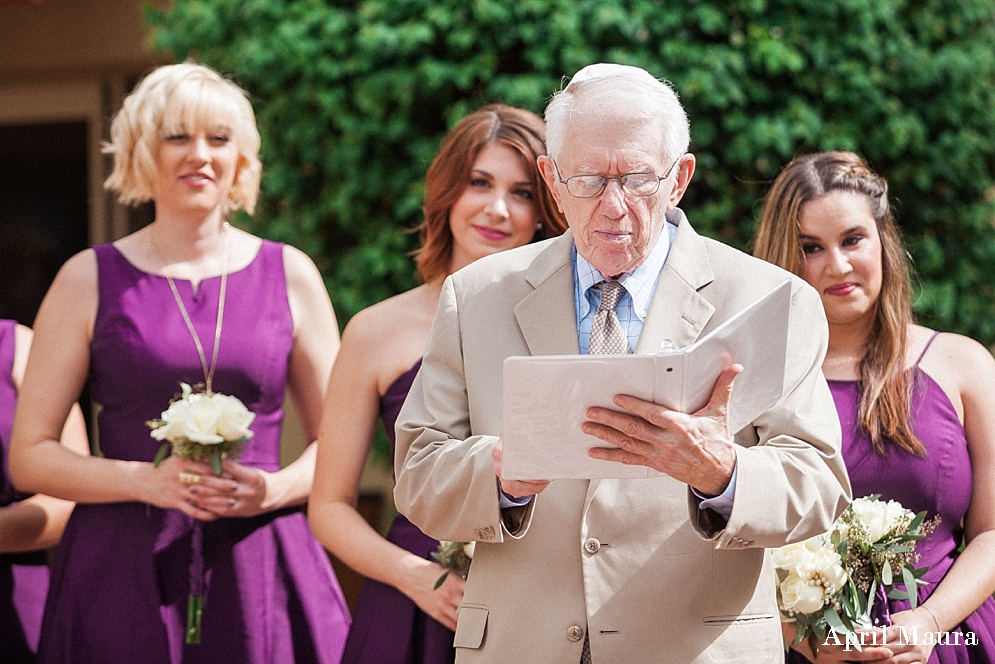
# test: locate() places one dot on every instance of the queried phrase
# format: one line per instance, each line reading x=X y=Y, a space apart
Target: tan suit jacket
x=636 y=562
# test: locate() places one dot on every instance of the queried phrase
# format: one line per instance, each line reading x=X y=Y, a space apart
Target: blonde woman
x=186 y=299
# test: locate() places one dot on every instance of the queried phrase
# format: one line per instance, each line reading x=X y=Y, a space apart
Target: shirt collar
x=640 y=283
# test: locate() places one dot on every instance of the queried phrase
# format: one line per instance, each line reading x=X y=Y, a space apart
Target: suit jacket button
x=575 y=633
x=592 y=545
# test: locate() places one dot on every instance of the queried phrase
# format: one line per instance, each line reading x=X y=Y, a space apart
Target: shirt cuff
x=505 y=501
x=722 y=503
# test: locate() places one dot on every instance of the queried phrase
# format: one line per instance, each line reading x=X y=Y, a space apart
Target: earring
x=538 y=226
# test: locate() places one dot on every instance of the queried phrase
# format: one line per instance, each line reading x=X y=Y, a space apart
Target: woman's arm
x=966 y=371
x=37 y=522
x=351 y=412
x=57 y=367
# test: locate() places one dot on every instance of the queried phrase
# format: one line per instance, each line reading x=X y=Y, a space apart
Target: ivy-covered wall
x=353 y=97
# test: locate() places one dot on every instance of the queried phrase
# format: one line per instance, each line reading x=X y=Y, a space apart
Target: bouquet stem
x=195 y=602
x=195 y=609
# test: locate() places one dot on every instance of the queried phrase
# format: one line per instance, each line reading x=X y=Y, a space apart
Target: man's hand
x=515 y=488
x=696 y=449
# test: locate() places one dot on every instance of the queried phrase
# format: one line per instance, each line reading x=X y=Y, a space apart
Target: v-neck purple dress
x=939 y=483
x=388 y=628
x=23 y=576
x=120 y=580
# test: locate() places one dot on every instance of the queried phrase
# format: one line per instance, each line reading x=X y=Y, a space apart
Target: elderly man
x=668 y=569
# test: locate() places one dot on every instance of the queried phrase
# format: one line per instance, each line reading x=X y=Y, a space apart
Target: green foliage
x=353 y=98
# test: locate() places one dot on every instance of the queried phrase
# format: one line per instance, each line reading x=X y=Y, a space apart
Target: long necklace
x=208 y=370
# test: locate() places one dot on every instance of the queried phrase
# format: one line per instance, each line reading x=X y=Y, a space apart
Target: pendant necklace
x=208 y=370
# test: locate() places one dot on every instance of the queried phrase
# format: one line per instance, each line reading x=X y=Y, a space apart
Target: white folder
x=545 y=398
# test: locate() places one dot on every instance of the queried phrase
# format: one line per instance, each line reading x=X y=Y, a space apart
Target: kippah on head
x=602 y=69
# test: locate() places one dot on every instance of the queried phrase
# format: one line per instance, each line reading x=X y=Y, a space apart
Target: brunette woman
x=914 y=404
x=484 y=194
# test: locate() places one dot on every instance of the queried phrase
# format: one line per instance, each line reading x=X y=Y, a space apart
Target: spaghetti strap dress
x=23 y=576
x=387 y=626
x=121 y=579
x=939 y=483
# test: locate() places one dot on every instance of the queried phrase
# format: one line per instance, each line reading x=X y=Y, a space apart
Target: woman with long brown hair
x=914 y=404
x=484 y=194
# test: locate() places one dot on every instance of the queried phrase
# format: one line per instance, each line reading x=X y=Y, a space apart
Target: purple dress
x=23 y=576
x=120 y=580
x=939 y=483
x=388 y=628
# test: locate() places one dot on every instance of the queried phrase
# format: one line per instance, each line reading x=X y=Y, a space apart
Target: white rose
x=790 y=556
x=235 y=418
x=828 y=568
x=172 y=418
x=468 y=549
x=877 y=516
x=200 y=420
x=798 y=594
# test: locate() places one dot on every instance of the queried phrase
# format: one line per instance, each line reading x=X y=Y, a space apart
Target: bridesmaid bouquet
x=455 y=557
x=829 y=582
x=202 y=425
x=199 y=425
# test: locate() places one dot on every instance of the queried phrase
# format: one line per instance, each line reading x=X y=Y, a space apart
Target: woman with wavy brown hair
x=914 y=404
x=483 y=194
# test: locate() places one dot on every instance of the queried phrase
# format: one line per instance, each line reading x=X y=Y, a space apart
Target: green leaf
x=160 y=454
x=886 y=573
x=910 y=587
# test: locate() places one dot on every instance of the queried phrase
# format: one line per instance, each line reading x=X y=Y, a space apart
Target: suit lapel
x=678 y=312
x=547 y=316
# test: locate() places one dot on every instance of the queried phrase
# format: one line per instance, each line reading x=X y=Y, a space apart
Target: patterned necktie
x=607 y=338
x=607 y=335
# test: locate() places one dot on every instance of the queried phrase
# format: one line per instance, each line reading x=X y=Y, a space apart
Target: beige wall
x=74 y=60
x=72 y=40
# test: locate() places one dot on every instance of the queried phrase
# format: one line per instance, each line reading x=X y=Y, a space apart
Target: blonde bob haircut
x=175 y=99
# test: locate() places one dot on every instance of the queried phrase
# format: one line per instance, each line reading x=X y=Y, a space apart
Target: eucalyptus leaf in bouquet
x=829 y=582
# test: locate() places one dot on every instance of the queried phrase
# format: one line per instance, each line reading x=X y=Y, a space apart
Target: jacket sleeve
x=791 y=482
x=445 y=475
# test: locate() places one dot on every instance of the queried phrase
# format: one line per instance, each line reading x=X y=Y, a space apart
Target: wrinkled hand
x=441 y=604
x=695 y=449
x=240 y=491
x=162 y=487
x=515 y=488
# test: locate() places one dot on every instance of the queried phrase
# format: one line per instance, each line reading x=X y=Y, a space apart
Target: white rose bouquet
x=455 y=557
x=199 y=425
x=830 y=581
x=202 y=425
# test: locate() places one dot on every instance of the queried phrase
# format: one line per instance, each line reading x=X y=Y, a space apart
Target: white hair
x=623 y=91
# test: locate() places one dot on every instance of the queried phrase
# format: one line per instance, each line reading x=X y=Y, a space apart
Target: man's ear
x=684 y=173
x=548 y=171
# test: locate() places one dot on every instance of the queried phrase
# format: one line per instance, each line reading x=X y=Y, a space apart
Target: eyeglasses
x=634 y=184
